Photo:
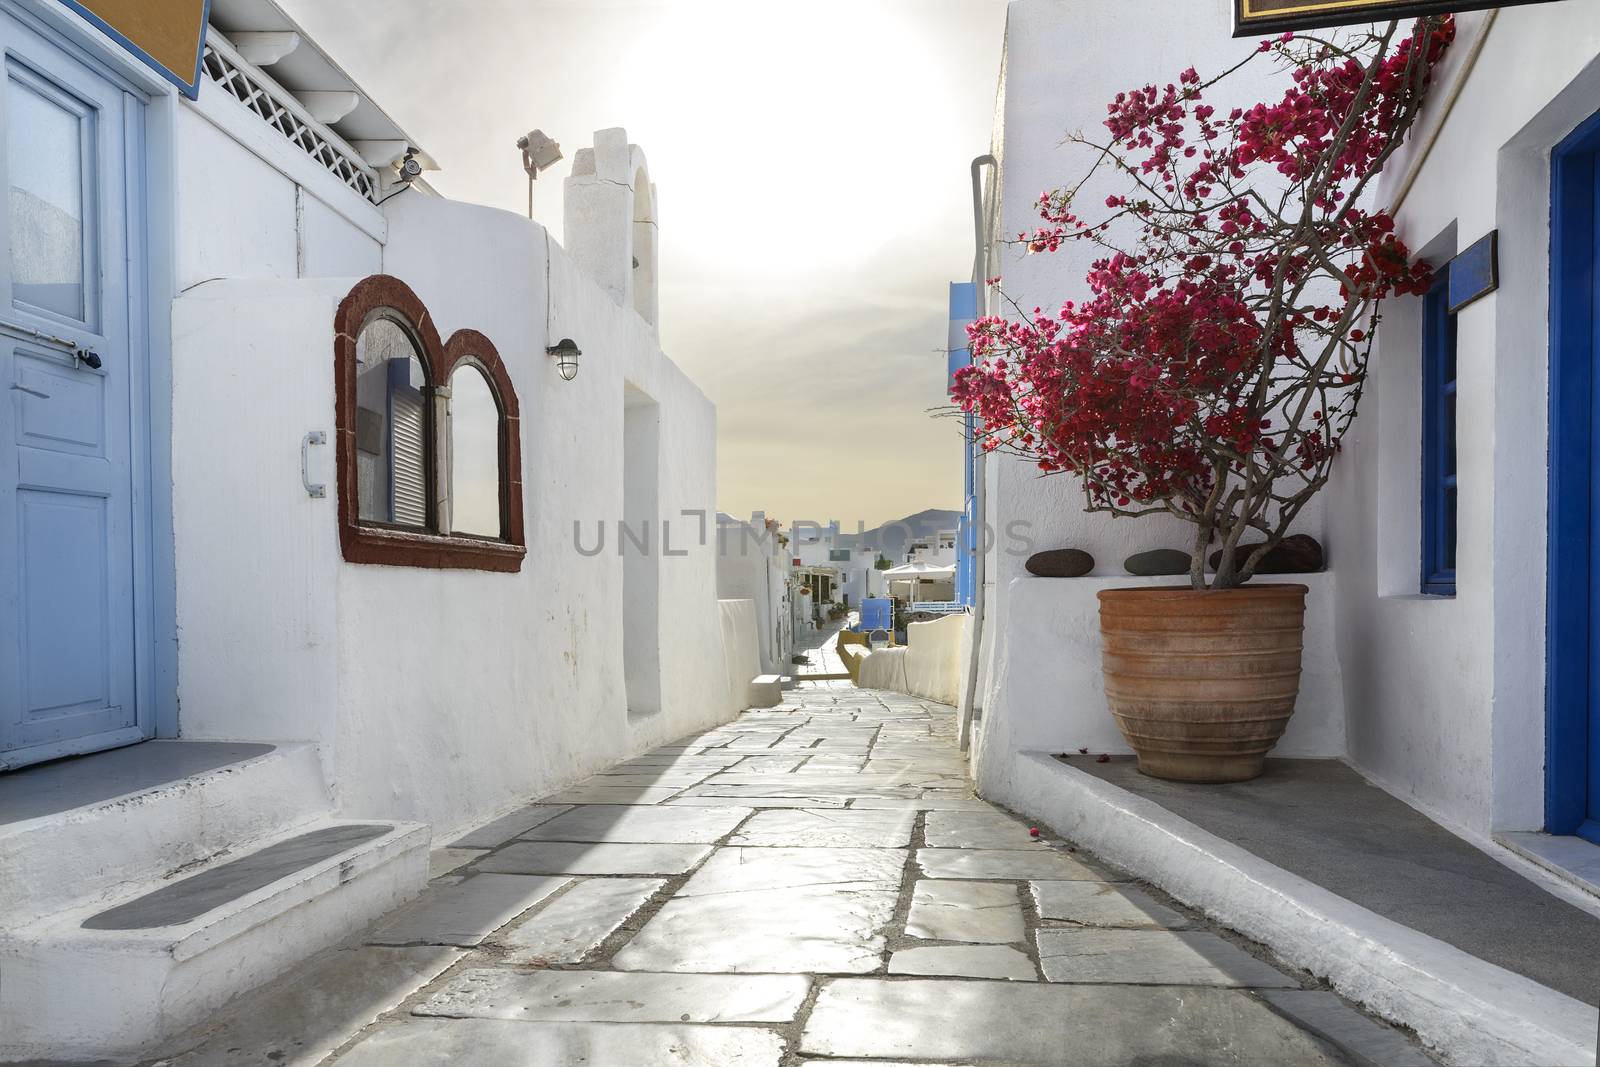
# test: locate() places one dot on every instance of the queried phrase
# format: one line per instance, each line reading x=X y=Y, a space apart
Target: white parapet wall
x=741 y=650
x=1046 y=692
x=928 y=666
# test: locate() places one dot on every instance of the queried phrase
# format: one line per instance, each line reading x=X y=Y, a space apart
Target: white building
x=838 y=573
x=1450 y=642
x=1440 y=697
x=938 y=550
x=296 y=482
x=753 y=563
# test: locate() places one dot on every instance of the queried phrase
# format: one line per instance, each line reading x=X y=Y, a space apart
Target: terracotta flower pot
x=1202 y=684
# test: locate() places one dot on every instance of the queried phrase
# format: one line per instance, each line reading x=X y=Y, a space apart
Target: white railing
x=278 y=108
x=941 y=607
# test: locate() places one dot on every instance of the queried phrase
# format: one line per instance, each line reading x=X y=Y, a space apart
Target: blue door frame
x=1572 y=688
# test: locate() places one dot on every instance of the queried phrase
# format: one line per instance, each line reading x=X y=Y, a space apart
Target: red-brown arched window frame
x=362 y=542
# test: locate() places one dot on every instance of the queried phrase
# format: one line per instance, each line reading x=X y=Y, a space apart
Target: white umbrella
x=920 y=570
x=916 y=573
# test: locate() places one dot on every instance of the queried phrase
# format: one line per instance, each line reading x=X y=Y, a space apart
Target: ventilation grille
x=275 y=109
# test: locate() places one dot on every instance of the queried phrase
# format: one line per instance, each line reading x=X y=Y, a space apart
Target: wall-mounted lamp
x=410 y=168
x=566 y=353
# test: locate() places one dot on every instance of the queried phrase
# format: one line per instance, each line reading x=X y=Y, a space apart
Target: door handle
x=315 y=437
x=31 y=392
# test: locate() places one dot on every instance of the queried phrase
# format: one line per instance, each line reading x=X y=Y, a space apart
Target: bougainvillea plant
x=1218 y=359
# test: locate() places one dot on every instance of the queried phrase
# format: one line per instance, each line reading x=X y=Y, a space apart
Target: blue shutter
x=1439 y=440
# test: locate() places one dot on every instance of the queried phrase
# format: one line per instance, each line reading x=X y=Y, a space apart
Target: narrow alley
x=892 y=574
x=811 y=883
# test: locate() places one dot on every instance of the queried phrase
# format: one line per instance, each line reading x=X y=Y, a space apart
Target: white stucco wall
x=752 y=565
x=443 y=696
x=257 y=559
x=1446 y=696
x=1048 y=692
x=741 y=658
x=929 y=664
x=250 y=205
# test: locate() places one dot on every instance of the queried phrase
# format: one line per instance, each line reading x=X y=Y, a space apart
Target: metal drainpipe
x=980 y=468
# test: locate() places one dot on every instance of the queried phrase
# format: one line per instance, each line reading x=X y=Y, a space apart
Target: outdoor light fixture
x=566 y=354
x=410 y=167
x=539 y=153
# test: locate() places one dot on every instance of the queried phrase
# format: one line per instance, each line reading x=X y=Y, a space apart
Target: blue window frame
x=1439 y=440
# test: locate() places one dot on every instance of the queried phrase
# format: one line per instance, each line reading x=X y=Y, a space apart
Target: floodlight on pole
x=539 y=153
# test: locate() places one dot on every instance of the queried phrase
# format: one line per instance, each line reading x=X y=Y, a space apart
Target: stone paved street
x=813 y=883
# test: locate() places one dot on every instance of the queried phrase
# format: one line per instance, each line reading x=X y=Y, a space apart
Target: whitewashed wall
x=1443 y=698
x=752 y=566
x=1446 y=696
x=1049 y=690
x=443 y=696
x=928 y=665
x=250 y=205
x=741 y=657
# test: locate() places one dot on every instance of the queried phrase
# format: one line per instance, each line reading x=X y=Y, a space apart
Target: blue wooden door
x=1572 y=798
x=69 y=650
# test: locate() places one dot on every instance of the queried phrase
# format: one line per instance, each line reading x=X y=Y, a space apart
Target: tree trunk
x=1197 y=559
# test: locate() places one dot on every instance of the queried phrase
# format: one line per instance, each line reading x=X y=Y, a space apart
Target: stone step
x=77 y=831
x=113 y=979
x=766 y=691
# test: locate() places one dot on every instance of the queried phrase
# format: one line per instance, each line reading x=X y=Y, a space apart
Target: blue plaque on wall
x=1475 y=272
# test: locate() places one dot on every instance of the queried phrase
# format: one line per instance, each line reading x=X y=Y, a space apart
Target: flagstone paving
x=811 y=884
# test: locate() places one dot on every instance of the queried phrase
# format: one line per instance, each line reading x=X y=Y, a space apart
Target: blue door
x=72 y=416
x=1572 y=798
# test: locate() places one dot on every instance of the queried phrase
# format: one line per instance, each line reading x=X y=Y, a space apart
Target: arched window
x=476 y=507
x=644 y=246
x=429 y=452
x=393 y=475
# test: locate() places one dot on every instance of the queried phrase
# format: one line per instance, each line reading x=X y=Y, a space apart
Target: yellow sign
x=1273 y=16
x=167 y=35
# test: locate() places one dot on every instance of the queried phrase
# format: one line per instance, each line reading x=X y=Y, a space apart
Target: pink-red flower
x=1243 y=301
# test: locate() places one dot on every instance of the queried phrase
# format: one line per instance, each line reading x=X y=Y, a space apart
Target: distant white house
x=297 y=490
x=753 y=563
x=940 y=549
x=836 y=572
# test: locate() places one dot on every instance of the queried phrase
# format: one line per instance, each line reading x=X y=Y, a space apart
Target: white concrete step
x=766 y=691
x=86 y=829
x=99 y=982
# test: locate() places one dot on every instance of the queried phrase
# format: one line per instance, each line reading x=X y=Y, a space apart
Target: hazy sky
x=811 y=161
